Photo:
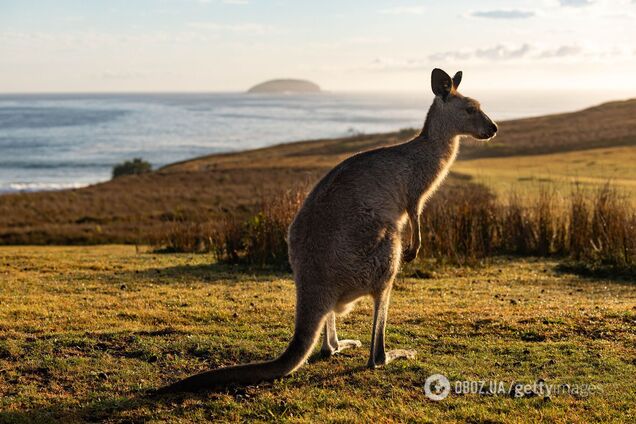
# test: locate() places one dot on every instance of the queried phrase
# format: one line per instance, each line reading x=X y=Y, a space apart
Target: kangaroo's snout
x=488 y=128
x=492 y=130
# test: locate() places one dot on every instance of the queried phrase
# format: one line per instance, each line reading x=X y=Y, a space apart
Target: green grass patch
x=85 y=332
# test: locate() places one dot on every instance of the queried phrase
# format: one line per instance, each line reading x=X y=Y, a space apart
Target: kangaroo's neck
x=432 y=153
x=438 y=130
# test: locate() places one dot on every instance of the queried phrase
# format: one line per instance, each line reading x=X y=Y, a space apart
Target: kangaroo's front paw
x=409 y=255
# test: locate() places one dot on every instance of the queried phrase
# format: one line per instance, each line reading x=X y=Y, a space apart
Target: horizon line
x=323 y=91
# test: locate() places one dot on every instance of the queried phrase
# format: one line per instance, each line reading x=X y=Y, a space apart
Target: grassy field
x=86 y=331
x=590 y=168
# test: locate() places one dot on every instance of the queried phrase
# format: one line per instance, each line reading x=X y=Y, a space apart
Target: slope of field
x=589 y=169
x=131 y=208
x=610 y=124
x=85 y=331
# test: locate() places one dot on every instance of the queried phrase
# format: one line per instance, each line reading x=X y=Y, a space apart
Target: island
x=285 y=86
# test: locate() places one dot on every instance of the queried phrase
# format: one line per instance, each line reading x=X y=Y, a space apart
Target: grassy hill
x=129 y=209
x=606 y=125
x=590 y=169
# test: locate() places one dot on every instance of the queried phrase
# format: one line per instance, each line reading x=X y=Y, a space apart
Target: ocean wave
x=28 y=187
x=50 y=117
x=23 y=164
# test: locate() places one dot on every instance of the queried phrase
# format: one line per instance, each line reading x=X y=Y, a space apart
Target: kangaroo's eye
x=471 y=109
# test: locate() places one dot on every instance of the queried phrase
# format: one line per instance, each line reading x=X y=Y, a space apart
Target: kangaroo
x=345 y=241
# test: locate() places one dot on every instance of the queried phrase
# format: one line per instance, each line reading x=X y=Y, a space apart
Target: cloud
x=496 y=53
x=404 y=10
x=503 y=14
x=563 y=51
x=374 y=41
x=244 y=28
x=501 y=52
x=521 y=53
x=449 y=55
x=342 y=43
x=99 y=40
x=390 y=64
x=121 y=75
x=575 y=3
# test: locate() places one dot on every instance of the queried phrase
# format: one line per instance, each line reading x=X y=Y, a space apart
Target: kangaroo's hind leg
x=379 y=356
x=330 y=343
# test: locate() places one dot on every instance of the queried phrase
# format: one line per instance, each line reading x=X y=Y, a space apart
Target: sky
x=346 y=45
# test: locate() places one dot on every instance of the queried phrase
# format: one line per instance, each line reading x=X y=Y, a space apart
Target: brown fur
x=345 y=241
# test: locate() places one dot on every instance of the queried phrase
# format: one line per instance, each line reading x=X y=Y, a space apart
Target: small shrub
x=548 y=224
x=579 y=230
x=518 y=235
x=134 y=167
x=262 y=239
x=611 y=230
x=460 y=225
x=190 y=237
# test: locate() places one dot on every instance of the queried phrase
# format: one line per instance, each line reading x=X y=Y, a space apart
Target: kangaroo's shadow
x=237 y=389
x=207 y=273
x=91 y=411
x=146 y=403
x=626 y=275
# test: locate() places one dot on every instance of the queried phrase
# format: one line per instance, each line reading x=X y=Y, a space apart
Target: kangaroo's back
x=349 y=203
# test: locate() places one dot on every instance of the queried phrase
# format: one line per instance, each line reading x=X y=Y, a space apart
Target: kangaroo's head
x=456 y=113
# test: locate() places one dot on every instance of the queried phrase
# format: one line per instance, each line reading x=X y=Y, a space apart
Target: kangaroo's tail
x=305 y=337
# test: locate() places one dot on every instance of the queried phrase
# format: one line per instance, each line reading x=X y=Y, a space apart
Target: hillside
x=129 y=208
x=609 y=124
x=285 y=86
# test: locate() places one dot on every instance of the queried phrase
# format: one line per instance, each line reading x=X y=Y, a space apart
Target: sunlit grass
x=85 y=331
x=590 y=169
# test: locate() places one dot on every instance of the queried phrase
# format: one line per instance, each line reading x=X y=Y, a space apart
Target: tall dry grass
x=463 y=226
x=261 y=240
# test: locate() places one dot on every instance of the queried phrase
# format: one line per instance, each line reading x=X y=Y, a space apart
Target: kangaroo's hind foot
x=379 y=356
x=385 y=357
x=330 y=343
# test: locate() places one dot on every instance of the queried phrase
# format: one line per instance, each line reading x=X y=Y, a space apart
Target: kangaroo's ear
x=457 y=79
x=441 y=83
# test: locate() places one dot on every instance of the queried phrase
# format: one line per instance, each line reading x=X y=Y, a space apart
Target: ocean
x=57 y=141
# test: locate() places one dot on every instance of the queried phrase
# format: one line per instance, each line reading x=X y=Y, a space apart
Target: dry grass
x=530 y=175
x=462 y=226
x=136 y=209
x=85 y=331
